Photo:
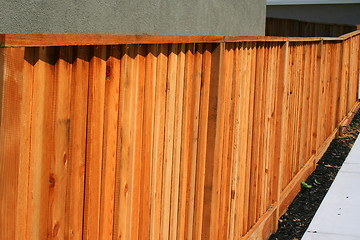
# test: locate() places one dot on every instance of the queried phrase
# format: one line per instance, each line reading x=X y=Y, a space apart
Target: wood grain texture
x=210 y=142
x=185 y=154
x=37 y=40
x=281 y=121
x=137 y=121
x=158 y=145
x=169 y=139
x=225 y=191
x=59 y=164
x=111 y=114
x=43 y=142
x=77 y=154
x=148 y=128
x=234 y=139
x=123 y=154
x=94 y=149
x=217 y=158
x=193 y=138
x=33 y=40
x=23 y=216
x=201 y=153
x=11 y=122
x=178 y=129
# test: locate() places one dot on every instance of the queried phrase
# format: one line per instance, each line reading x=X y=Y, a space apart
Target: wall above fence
x=186 y=17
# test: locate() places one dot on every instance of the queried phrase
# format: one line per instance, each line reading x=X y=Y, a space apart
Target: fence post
x=353 y=72
x=317 y=79
x=341 y=87
x=214 y=147
x=281 y=123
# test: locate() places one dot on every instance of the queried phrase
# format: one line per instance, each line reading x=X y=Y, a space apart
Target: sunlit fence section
x=164 y=137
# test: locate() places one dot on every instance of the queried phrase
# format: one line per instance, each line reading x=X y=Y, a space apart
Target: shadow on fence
x=297 y=28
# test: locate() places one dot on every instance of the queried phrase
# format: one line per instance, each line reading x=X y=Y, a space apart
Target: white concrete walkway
x=338 y=217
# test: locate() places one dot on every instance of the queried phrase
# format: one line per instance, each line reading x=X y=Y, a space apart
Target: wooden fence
x=296 y=28
x=164 y=137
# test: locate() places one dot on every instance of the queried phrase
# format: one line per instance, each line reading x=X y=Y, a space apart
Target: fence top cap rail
x=350 y=34
x=38 y=40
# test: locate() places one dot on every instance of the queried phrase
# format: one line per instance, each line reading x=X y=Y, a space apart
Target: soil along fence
x=296 y=28
x=164 y=137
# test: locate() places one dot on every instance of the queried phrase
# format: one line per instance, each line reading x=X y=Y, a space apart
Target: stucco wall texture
x=324 y=13
x=161 y=17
